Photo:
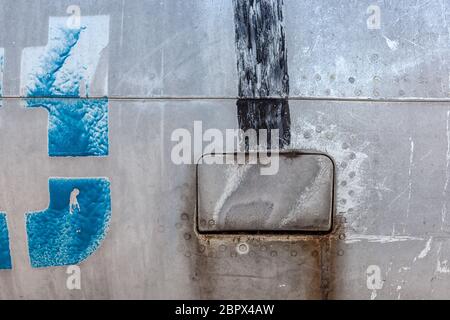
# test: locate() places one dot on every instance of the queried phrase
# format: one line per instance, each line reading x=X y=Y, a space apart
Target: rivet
x=242 y=248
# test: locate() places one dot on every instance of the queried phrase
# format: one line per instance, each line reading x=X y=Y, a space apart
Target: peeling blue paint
x=64 y=234
x=43 y=83
x=66 y=66
x=5 y=255
x=76 y=127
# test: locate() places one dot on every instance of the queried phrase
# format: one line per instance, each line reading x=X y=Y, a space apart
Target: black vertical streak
x=265 y=114
x=262 y=67
x=261 y=50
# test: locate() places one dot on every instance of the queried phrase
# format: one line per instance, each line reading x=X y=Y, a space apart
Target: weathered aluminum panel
x=334 y=48
x=390 y=232
x=391 y=206
x=369 y=49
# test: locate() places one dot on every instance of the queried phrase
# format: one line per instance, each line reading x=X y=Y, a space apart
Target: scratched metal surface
x=156 y=49
x=334 y=54
x=393 y=158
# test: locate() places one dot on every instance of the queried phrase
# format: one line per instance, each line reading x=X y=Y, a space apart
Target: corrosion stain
x=288 y=266
x=291 y=267
x=275 y=266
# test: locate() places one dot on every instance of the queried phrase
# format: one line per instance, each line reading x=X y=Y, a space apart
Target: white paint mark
x=443 y=214
x=392 y=44
x=447 y=173
x=379 y=238
x=411 y=162
x=121 y=24
x=310 y=195
x=425 y=250
x=447 y=156
x=327 y=137
x=233 y=180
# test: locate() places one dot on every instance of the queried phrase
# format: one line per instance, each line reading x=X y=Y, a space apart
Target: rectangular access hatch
x=235 y=196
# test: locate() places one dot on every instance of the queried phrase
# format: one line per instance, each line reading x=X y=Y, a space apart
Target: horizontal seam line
x=118 y=98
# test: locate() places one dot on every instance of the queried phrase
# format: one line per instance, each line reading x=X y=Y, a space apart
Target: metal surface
x=233 y=195
x=336 y=52
x=389 y=207
x=390 y=233
x=158 y=48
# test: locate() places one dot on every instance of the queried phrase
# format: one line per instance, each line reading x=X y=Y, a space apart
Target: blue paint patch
x=43 y=83
x=66 y=66
x=68 y=232
x=5 y=255
x=76 y=127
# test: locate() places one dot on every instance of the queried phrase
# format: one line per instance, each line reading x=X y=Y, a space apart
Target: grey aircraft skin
x=108 y=114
